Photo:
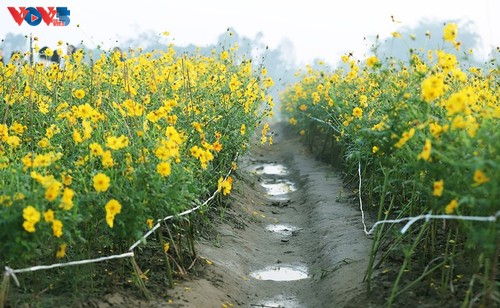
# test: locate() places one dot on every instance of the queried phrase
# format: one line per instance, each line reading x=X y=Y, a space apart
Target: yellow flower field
x=91 y=154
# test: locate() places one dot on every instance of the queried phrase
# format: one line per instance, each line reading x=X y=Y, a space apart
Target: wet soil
x=298 y=244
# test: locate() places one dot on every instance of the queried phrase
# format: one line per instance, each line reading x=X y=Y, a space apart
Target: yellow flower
x=101 y=182
x=53 y=191
x=61 y=252
x=79 y=93
x=406 y=136
x=163 y=169
x=458 y=122
x=49 y=52
x=96 y=149
x=113 y=207
x=116 y=143
x=217 y=146
x=44 y=142
x=31 y=214
x=4 y=132
x=166 y=247
x=66 y=178
x=14 y=141
x=450 y=207
x=457 y=102
x=435 y=129
x=357 y=112
x=84 y=111
x=17 y=128
x=67 y=199
x=371 y=61
x=438 y=188
x=31 y=217
x=433 y=87
x=107 y=159
x=426 y=151
x=480 y=178
x=149 y=222
x=268 y=82
x=292 y=121
x=447 y=61
x=29 y=226
x=87 y=130
x=224 y=186
x=198 y=127
x=303 y=107
x=375 y=149
x=48 y=215
x=450 y=32
x=57 y=226
x=77 y=137
x=243 y=129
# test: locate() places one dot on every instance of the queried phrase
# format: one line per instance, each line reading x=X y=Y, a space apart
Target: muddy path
x=287 y=239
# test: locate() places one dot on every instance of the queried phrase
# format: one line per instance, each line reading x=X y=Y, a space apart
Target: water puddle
x=279 y=301
x=282 y=229
x=276 y=187
x=281 y=273
x=271 y=169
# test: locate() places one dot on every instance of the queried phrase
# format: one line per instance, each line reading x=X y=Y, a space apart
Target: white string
x=9 y=272
x=170 y=217
x=429 y=216
x=412 y=220
x=328 y=123
x=361 y=201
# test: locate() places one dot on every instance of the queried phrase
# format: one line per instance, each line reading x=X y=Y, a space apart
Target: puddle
x=282 y=229
x=271 y=169
x=276 y=187
x=280 y=301
x=281 y=273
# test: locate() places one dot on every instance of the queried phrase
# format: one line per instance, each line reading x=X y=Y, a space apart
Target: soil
x=302 y=221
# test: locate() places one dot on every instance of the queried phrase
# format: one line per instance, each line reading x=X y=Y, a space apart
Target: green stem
x=167 y=261
x=378 y=233
x=408 y=255
x=422 y=276
x=140 y=282
x=4 y=290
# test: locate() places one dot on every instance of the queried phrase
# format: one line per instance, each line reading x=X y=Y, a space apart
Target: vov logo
x=56 y=16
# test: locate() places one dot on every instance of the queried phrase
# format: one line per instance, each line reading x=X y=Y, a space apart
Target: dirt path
x=285 y=217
